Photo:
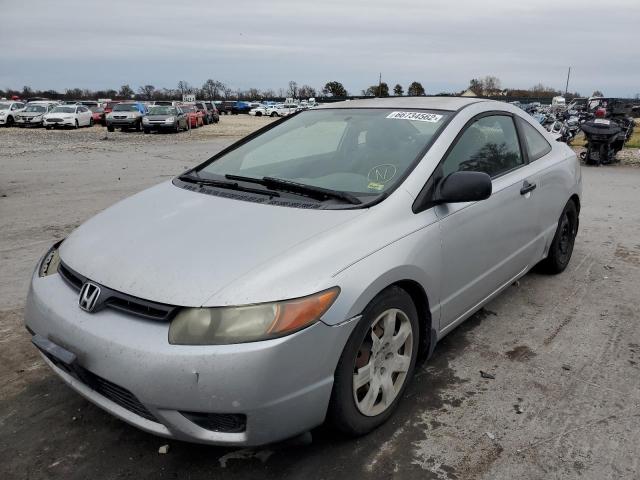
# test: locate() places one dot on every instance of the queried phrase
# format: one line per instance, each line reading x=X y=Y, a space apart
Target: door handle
x=527 y=187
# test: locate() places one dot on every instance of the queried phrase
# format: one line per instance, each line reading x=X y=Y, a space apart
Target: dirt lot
x=565 y=350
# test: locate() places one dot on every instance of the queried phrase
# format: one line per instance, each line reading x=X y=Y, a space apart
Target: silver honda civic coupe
x=298 y=275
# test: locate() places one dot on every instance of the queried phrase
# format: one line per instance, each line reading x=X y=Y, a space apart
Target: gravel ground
x=565 y=350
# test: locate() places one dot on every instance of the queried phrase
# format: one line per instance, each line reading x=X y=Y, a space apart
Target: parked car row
x=124 y=115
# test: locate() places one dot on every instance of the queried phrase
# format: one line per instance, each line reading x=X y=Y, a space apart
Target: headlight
x=145 y=120
x=170 y=120
x=250 y=323
x=50 y=262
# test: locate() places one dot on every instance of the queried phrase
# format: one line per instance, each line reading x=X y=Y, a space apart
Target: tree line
x=488 y=86
x=210 y=90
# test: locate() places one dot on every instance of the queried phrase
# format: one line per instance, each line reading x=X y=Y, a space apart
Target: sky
x=101 y=44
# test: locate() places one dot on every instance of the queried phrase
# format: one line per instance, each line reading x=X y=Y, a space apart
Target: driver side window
x=488 y=145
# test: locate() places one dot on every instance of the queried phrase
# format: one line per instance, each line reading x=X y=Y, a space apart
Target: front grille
x=219 y=422
x=120 y=301
x=121 y=396
x=120 y=117
x=118 y=395
x=71 y=277
x=54 y=119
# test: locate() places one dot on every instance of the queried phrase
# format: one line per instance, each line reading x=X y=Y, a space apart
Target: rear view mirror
x=459 y=187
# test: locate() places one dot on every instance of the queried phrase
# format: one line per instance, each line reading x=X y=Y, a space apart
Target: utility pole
x=380 y=84
x=566 y=88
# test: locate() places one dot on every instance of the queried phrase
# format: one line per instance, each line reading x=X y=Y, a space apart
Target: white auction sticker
x=418 y=116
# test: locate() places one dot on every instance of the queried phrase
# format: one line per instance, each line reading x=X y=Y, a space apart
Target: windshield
x=125 y=107
x=360 y=151
x=162 y=110
x=64 y=110
x=35 y=108
x=188 y=108
x=96 y=109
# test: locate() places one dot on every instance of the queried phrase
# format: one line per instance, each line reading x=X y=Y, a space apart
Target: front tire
x=376 y=364
x=563 y=241
x=110 y=128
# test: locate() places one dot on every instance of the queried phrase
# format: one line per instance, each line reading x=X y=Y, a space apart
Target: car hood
x=125 y=114
x=31 y=114
x=174 y=246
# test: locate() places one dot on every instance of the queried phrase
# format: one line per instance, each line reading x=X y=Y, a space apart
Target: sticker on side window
x=417 y=116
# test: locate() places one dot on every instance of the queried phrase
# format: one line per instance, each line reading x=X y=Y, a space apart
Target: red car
x=195 y=118
x=108 y=108
x=98 y=114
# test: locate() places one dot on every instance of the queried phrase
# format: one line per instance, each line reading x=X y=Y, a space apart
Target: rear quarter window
x=537 y=145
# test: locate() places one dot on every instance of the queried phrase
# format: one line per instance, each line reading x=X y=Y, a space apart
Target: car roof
x=431 y=103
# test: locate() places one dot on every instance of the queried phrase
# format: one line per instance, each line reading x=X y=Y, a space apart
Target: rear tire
x=563 y=241
x=10 y=121
x=372 y=363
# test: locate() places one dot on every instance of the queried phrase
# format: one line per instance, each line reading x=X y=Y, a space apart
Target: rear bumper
x=282 y=386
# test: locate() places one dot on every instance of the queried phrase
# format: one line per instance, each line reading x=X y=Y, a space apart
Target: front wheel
x=376 y=364
x=563 y=241
x=110 y=128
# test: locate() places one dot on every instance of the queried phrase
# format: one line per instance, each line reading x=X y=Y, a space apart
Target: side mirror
x=459 y=187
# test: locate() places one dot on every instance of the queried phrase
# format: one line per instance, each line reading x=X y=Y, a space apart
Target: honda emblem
x=89 y=294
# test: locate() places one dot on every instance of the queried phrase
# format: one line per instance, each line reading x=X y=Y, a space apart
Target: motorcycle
x=607 y=132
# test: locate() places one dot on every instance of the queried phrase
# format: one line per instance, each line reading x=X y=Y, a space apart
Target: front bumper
x=159 y=126
x=124 y=122
x=24 y=122
x=64 y=122
x=283 y=385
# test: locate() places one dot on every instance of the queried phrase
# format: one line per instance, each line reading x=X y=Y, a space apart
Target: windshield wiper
x=195 y=178
x=290 y=186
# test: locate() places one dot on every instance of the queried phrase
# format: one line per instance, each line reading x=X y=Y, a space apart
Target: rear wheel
x=563 y=241
x=10 y=121
x=376 y=364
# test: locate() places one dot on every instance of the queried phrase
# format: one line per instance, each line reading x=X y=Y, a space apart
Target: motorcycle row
x=607 y=125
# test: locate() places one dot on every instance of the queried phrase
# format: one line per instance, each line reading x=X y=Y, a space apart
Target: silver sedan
x=298 y=276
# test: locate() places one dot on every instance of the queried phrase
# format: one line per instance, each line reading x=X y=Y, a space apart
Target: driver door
x=486 y=244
